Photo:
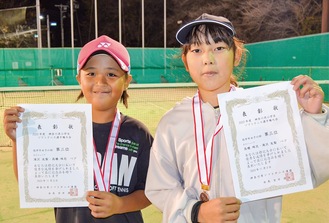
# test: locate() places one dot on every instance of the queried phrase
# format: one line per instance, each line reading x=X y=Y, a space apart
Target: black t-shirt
x=129 y=169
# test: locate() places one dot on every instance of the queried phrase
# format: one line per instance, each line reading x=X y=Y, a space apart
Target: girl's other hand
x=103 y=204
x=223 y=209
x=309 y=94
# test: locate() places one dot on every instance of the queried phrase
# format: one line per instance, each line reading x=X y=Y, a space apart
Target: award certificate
x=55 y=155
x=265 y=141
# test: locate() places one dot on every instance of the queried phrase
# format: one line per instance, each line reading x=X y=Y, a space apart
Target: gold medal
x=204 y=196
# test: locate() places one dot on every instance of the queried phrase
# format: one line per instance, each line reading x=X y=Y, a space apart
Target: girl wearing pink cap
x=103 y=75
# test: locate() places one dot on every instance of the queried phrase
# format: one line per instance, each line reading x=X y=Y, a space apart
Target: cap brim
x=184 y=30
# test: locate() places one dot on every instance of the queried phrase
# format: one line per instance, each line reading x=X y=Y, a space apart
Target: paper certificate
x=265 y=141
x=55 y=155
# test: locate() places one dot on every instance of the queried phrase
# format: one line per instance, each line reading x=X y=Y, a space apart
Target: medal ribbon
x=204 y=153
x=102 y=172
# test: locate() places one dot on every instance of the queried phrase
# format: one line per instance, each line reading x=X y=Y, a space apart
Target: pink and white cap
x=112 y=47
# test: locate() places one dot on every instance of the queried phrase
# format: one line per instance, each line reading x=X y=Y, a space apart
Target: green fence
x=286 y=58
x=57 y=66
x=267 y=61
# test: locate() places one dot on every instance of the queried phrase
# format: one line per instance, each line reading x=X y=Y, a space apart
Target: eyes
x=110 y=75
x=93 y=72
x=200 y=49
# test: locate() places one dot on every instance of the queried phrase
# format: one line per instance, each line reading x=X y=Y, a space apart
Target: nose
x=208 y=58
x=100 y=79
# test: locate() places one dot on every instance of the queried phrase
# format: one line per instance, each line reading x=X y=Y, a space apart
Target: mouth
x=101 y=92
x=209 y=73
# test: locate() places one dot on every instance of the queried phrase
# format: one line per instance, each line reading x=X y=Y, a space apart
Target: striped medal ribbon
x=102 y=172
x=204 y=153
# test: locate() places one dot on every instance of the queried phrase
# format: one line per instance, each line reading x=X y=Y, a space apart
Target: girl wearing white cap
x=175 y=180
x=103 y=75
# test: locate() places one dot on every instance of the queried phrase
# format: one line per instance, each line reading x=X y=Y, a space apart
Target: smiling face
x=102 y=82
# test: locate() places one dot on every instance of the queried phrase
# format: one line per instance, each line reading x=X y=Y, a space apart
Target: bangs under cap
x=182 y=33
x=112 y=47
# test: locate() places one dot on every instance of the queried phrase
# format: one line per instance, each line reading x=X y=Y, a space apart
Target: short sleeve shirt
x=129 y=169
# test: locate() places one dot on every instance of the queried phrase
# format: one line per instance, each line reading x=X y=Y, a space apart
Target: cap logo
x=104 y=44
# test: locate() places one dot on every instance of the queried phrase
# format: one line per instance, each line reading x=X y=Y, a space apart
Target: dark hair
x=218 y=34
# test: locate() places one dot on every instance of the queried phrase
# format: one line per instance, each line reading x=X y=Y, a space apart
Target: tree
x=254 y=20
x=276 y=19
x=15 y=32
x=19 y=38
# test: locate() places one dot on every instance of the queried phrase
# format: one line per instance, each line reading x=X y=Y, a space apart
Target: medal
x=204 y=152
x=204 y=196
